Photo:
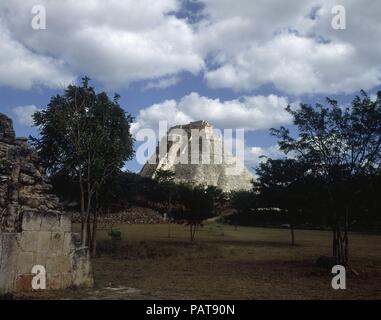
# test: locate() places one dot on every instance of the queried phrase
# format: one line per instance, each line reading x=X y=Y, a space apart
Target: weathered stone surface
x=82 y=267
x=43 y=243
x=206 y=161
x=31 y=221
x=51 y=222
x=65 y=223
x=33 y=230
x=25 y=262
x=29 y=241
x=69 y=243
x=23 y=282
x=23 y=182
x=8 y=261
x=54 y=281
x=6 y=128
x=57 y=242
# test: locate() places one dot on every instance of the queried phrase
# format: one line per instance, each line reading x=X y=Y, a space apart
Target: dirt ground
x=224 y=263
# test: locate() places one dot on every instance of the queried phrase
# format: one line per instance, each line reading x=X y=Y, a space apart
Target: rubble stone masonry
x=33 y=229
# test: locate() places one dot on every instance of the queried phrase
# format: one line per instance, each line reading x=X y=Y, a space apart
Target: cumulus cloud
x=24 y=114
x=21 y=68
x=295 y=65
x=250 y=112
x=240 y=46
x=292 y=45
x=115 y=42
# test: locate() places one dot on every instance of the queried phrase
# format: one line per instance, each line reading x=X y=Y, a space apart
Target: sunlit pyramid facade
x=199 y=156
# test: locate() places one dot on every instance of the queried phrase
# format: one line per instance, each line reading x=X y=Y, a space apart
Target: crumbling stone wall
x=33 y=229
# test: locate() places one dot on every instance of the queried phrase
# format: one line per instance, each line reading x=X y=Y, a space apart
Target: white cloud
x=240 y=46
x=255 y=155
x=162 y=83
x=22 y=68
x=24 y=114
x=296 y=65
x=281 y=42
x=251 y=112
x=115 y=42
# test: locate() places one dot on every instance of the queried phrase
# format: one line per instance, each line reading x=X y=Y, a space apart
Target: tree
x=166 y=179
x=340 y=145
x=86 y=137
x=195 y=204
x=244 y=202
x=281 y=183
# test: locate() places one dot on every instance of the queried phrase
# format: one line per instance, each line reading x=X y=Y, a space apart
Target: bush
x=115 y=234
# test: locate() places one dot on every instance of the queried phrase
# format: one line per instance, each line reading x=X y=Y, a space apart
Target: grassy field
x=224 y=263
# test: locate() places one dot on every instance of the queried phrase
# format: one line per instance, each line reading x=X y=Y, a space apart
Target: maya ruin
x=192 y=154
x=205 y=161
x=33 y=229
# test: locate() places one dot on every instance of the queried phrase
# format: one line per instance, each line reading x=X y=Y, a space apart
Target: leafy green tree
x=195 y=205
x=340 y=145
x=244 y=203
x=281 y=183
x=86 y=137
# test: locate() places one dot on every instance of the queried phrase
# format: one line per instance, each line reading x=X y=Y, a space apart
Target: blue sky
x=236 y=64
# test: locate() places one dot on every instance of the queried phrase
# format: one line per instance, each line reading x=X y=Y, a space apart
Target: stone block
x=29 y=240
x=43 y=243
x=25 y=262
x=65 y=223
x=51 y=222
x=8 y=261
x=53 y=281
x=31 y=221
x=23 y=282
x=62 y=264
x=66 y=280
x=56 y=242
x=82 y=272
x=41 y=259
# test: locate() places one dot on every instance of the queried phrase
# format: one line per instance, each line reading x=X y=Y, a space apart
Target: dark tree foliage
x=341 y=146
x=195 y=205
x=283 y=184
x=85 y=137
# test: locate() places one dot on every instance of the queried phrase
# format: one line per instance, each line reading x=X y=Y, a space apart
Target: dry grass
x=250 y=263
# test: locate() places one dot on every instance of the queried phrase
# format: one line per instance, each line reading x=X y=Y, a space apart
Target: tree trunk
x=169 y=209
x=346 y=240
x=191 y=232
x=94 y=234
x=340 y=243
x=88 y=227
x=291 y=216
x=292 y=234
x=83 y=213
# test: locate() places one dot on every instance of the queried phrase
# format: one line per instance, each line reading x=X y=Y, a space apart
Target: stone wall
x=46 y=240
x=23 y=183
x=33 y=229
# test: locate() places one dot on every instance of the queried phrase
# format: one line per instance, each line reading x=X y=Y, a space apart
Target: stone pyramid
x=196 y=155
